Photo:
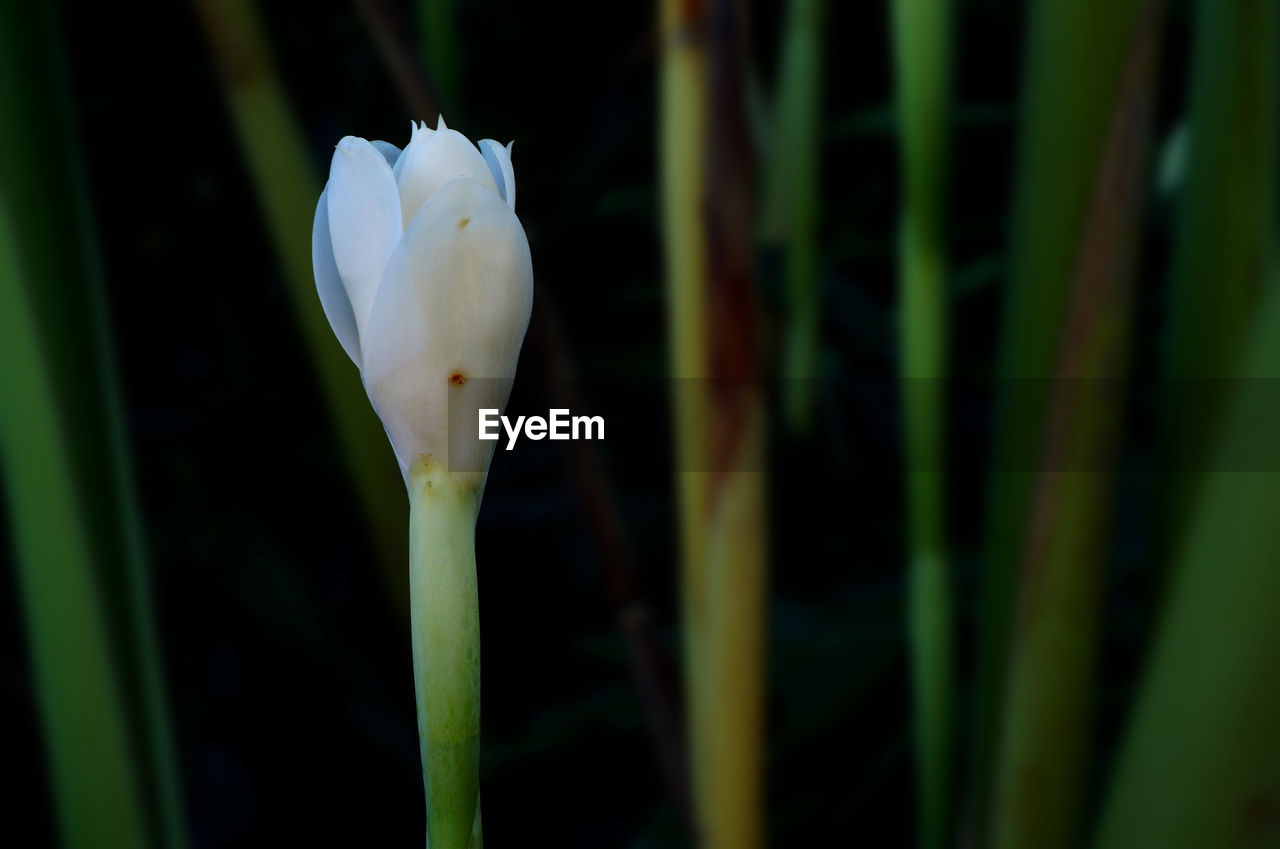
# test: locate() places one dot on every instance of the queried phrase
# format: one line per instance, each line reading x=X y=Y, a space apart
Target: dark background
x=287 y=656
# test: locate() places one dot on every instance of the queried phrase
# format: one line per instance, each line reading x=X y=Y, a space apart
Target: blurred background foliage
x=203 y=516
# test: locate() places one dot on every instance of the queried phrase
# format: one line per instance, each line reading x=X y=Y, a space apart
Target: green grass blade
x=1045 y=735
x=42 y=182
x=96 y=788
x=792 y=200
x=1200 y=765
x=922 y=54
x=1066 y=105
x=1226 y=225
x=279 y=164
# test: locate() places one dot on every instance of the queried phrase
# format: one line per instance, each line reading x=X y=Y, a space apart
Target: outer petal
x=432 y=159
x=499 y=160
x=448 y=322
x=389 y=151
x=333 y=295
x=364 y=220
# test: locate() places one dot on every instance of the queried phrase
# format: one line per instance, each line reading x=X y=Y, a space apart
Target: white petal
x=499 y=160
x=333 y=295
x=450 y=315
x=418 y=131
x=364 y=220
x=389 y=151
x=430 y=161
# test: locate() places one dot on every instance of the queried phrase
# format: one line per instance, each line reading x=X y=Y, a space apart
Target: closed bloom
x=424 y=274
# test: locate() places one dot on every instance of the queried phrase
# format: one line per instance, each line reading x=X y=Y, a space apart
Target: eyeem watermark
x=558 y=425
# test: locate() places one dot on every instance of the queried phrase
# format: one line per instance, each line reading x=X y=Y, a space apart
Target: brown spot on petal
x=458 y=378
x=463 y=222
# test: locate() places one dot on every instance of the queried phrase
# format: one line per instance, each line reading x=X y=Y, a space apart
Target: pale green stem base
x=446 y=647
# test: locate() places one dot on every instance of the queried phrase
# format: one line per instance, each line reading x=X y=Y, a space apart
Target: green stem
x=790 y=212
x=446 y=646
x=96 y=789
x=921 y=30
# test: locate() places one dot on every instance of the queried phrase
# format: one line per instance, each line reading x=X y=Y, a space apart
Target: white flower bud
x=424 y=273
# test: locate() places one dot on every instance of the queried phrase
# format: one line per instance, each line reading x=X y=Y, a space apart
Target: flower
x=424 y=273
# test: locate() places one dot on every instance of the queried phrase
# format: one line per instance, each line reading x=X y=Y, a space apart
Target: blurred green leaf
x=279 y=165
x=922 y=62
x=1225 y=230
x=96 y=787
x=1200 y=765
x=61 y=313
x=1067 y=103
x=792 y=201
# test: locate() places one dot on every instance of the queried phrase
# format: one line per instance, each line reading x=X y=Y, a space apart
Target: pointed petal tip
x=440 y=124
x=498 y=158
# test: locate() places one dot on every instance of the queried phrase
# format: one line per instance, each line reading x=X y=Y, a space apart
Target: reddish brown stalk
x=1080 y=435
x=651 y=667
x=730 y=216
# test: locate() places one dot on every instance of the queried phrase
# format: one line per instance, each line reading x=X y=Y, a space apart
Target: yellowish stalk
x=446 y=647
x=682 y=142
x=734 y=621
x=721 y=502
